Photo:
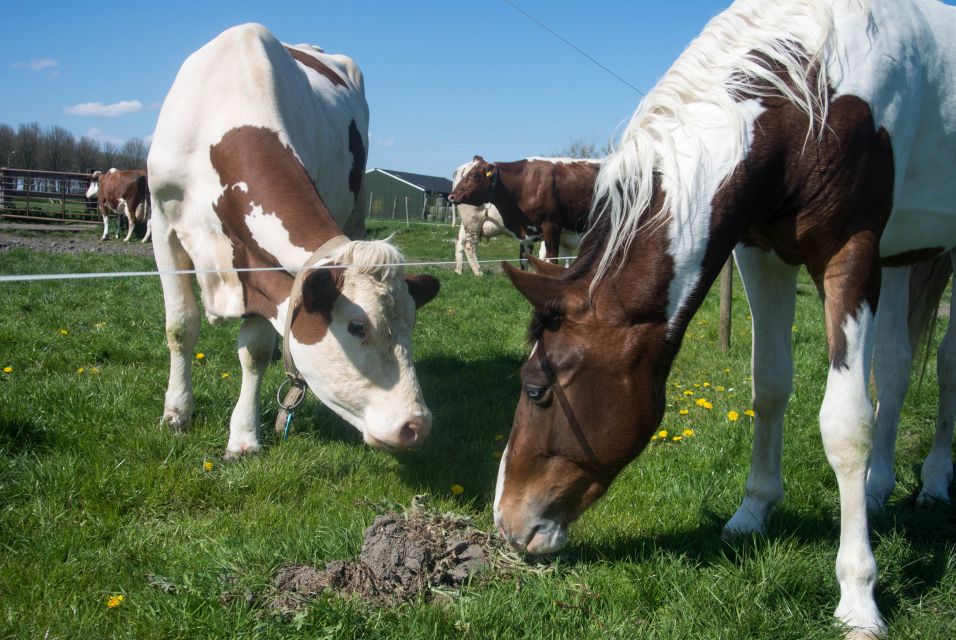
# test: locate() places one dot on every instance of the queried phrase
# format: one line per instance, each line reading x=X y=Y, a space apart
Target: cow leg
x=149 y=230
x=938 y=466
x=892 y=359
x=257 y=341
x=471 y=242
x=770 y=285
x=129 y=222
x=846 y=421
x=106 y=223
x=182 y=325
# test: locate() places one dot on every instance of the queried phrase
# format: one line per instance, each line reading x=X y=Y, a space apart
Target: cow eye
x=357 y=328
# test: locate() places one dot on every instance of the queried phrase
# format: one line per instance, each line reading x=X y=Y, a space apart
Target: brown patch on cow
x=276 y=181
x=550 y=196
x=320 y=289
x=908 y=258
x=316 y=65
x=357 y=149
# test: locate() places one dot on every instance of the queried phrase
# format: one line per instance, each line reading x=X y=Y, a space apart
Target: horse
x=791 y=133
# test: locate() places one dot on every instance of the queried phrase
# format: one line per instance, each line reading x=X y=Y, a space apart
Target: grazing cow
x=485 y=222
x=256 y=162
x=123 y=192
x=536 y=197
x=801 y=132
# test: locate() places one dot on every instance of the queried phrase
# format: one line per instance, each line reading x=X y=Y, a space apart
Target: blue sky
x=444 y=79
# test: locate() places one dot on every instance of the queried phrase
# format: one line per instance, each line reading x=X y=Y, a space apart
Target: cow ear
x=320 y=290
x=478 y=159
x=422 y=287
x=545 y=267
x=489 y=169
x=544 y=292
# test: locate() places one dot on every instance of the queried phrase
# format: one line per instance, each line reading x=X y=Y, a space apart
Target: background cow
x=536 y=197
x=256 y=162
x=123 y=192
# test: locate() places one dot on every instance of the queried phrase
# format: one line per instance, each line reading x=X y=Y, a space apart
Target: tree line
x=30 y=146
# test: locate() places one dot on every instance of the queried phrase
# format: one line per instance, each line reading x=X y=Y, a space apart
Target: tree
x=27 y=146
x=581 y=147
x=133 y=154
x=58 y=150
x=8 y=139
x=87 y=155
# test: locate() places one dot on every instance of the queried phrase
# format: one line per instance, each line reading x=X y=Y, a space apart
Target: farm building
x=402 y=195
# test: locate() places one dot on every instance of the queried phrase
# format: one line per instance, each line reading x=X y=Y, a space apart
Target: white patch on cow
x=270 y=234
x=93 y=189
x=565 y=160
x=113 y=170
x=242 y=186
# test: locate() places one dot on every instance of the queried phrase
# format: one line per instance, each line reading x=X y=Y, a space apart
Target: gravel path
x=80 y=243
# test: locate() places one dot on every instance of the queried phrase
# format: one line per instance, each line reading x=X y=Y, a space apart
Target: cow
x=536 y=197
x=121 y=192
x=485 y=222
x=256 y=164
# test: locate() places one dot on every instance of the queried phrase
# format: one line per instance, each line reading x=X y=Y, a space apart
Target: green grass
x=97 y=499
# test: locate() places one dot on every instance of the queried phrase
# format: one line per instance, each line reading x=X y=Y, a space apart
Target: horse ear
x=320 y=291
x=544 y=267
x=544 y=292
x=422 y=287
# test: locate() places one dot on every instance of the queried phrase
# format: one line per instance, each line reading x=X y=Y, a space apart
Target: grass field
x=97 y=500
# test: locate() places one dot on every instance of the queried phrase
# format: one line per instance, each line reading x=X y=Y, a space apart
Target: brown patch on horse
x=316 y=65
x=276 y=181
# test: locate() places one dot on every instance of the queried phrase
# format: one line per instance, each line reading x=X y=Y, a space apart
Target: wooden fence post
x=726 y=296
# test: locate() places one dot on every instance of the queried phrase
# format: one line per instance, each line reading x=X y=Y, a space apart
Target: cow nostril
x=408 y=434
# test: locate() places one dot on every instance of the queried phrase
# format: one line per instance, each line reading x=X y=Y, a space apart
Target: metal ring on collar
x=280 y=400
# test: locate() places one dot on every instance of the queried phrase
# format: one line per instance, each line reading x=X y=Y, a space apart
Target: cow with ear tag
x=256 y=166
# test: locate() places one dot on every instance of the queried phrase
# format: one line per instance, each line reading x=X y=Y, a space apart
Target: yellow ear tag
x=488 y=174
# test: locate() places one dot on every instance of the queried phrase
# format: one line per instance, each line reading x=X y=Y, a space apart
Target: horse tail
x=928 y=281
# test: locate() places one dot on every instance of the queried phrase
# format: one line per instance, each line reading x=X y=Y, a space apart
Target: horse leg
x=551 y=238
x=182 y=324
x=850 y=283
x=892 y=360
x=257 y=341
x=771 y=289
x=938 y=467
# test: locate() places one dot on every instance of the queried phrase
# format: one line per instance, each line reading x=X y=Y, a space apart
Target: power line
x=569 y=43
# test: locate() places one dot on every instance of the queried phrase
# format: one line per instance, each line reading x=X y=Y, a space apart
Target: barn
x=406 y=196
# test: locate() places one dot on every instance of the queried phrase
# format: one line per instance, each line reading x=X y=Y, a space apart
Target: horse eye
x=357 y=328
x=535 y=394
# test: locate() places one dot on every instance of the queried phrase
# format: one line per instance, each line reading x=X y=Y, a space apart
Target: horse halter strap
x=566 y=408
x=296 y=392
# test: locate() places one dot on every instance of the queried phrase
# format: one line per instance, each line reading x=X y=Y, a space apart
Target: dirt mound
x=404 y=557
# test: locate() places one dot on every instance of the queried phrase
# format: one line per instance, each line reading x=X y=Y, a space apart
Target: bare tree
x=58 y=149
x=581 y=147
x=133 y=154
x=28 y=146
x=87 y=155
x=8 y=139
x=108 y=156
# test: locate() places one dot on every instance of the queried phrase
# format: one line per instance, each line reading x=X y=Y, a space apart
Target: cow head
x=94 y=184
x=351 y=340
x=477 y=183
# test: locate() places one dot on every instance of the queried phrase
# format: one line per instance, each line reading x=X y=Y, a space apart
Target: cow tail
x=928 y=280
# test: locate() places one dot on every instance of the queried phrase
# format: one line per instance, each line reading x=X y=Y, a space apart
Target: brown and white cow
x=257 y=162
x=121 y=192
x=536 y=197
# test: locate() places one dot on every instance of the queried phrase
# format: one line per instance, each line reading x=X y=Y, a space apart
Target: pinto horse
x=801 y=132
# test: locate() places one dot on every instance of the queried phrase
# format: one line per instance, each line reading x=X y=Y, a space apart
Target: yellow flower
x=697 y=384
x=94 y=370
x=727 y=370
x=200 y=355
x=701 y=402
x=8 y=369
x=661 y=434
x=749 y=413
x=688 y=432
x=80 y=370
x=732 y=416
x=225 y=375
x=676 y=438
x=683 y=412
x=64 y=332
x=115 y=601
x=707 y=405
x=499 y=437
x=706 y=384
x=457 y=489
x=100 y=326
x=207 y=465
x=688 y=393
x=653 y=438
x=719 y=388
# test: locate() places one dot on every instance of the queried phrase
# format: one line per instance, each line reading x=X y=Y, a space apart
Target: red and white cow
x=257 y=162
x=123 y=192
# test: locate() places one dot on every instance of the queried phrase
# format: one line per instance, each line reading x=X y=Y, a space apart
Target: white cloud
x=38 y=64
x=105 y=110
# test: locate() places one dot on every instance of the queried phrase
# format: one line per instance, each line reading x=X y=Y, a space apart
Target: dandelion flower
x=94 y=370
x=661 y=434
x=701 y=402
x=499 y=437
x=749 y=413
x=80 y=370
x=677 y=438
x=683 y=412
x=457 y=489
x=224 y=375
x=200 y=355
x=706 y=384
x=8 y=369
x=115 y=601
x=100 y=326
x=707 y=405
x=688 y=393
x=64 y=332
x=718 y=388
x=207 y=465
x=688 y=433
x=732 y=416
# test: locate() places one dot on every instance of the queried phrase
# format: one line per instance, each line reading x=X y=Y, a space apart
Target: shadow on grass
x=19 y=434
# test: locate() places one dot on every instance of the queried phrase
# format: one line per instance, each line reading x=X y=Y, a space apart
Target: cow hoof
x=176 y=421
x=238 y=452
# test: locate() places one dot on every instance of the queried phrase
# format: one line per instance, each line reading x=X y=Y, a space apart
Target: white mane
x=733 y=56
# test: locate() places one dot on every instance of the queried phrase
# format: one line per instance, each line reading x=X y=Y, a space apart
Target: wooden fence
x=45 y=196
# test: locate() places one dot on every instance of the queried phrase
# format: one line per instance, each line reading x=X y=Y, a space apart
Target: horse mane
x=754 y=49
